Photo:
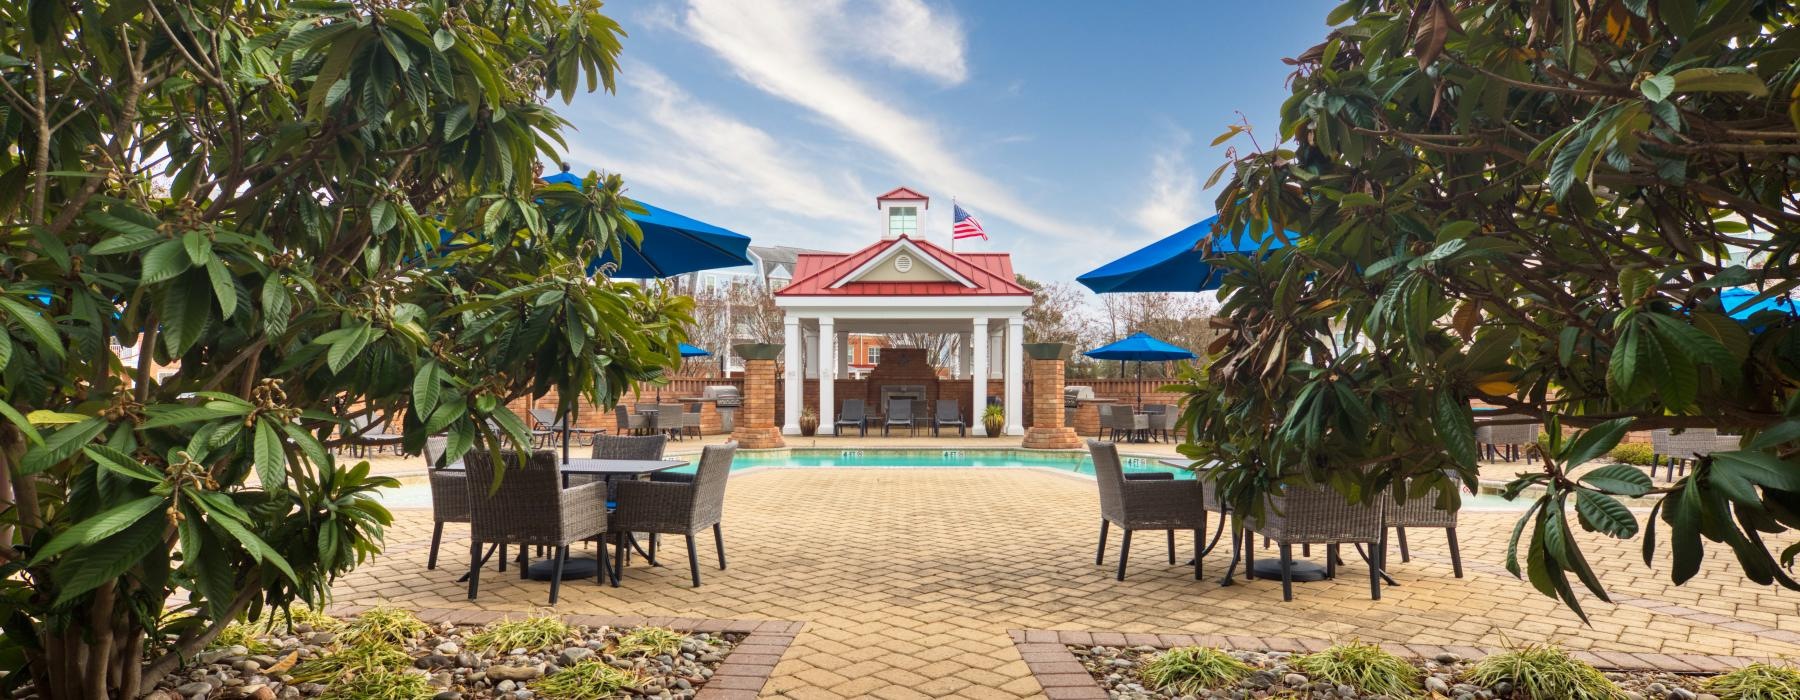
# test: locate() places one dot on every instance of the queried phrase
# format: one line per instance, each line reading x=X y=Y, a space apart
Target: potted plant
x=809 y=422
x=994 y=419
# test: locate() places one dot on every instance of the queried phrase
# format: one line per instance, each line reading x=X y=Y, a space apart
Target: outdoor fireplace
x=913 y=392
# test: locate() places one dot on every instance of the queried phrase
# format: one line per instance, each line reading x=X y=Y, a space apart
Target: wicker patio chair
x=530 y=507
x=1309 y=514
x=622 y=447
x=1422 y=512
x=449 y=495
x=1145 y=504
x=1123 y=421
x=1494 y=437
x=678 y=509
x=630 y=423
x=1162 y=420
x=690 y=420
x=853 y=414
x=668 y=419
x=1680 y=448
x=899 y=412
x=949 y=413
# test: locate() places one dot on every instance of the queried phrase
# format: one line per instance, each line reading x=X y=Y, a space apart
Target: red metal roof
x=902 y=193
x=815 y=273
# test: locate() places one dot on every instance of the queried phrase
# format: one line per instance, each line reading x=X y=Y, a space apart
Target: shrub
x=353 y=660
x=1365 y=667
x=1543 y=672
x=1632 y=453
x=651 y=641
x=586 y=680
x=381 y=685
x=1756 y=682
x=530 y=634
x=385 y=625
x=1192 y=670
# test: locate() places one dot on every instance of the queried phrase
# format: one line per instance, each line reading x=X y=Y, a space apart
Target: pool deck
x=908 y=581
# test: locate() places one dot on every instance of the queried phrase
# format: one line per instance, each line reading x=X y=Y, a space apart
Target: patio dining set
x=1303 y=514
x=1151 y=422
x=549 y=504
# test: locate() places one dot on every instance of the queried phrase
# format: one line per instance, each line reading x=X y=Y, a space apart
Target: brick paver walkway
x=908 y=580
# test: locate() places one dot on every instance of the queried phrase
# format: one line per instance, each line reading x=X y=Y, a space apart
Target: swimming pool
x=413 y=493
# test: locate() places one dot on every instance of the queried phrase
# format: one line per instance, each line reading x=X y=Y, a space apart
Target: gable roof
x=820 y=274
x=902 y=193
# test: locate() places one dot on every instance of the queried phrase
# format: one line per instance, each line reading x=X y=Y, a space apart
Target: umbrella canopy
x=1737 y=303
x=1175 y=264
x=673 y=244
x=1140 y=348
x=691 y=351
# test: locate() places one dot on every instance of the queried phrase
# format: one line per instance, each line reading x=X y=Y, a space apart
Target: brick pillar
x=1047 y=431
x=755 y=423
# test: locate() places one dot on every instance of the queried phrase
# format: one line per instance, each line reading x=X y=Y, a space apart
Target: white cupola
x=902 y=213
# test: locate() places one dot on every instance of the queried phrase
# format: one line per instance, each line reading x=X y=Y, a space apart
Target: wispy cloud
x=1173 y=200
x=702 y=152
x=796 y=50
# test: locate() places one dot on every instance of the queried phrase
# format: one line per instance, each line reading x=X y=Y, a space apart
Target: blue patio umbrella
x=673 y=244
x=1736 y=302
x=1140 y=348
x=1175 y=264
x=691 y=351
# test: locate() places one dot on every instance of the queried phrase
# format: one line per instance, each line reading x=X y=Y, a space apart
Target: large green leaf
x=35 y=322
x=99 y=527
x=1604 y=513
x=271 y=458
x=1596 y=441
x=1621 y=479
x=107 y=559
x=61 y=445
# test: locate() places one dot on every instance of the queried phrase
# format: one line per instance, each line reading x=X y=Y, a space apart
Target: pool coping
x=741 y=676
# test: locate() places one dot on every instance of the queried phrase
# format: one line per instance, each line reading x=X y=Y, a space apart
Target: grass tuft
x=245 y=635
x=530 y=634
x=650 y=641
x=380 y=685
x=389 y=625
x=1543 y=672
x=281 y=621
x=1757 y=681
x=1194 y=670
x=353 y=660
x=1365 y=667
x=586 y=680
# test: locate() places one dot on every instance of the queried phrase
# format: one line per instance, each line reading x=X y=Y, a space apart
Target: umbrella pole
x=565 y=436
x=1140 y=385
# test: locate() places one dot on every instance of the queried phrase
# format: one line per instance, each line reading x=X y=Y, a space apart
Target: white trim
x=985 y=302
x=919 y=254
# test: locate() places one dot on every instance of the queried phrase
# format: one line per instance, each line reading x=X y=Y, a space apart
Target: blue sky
x=1075 y=131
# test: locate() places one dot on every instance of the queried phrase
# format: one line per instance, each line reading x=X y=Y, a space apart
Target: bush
x=586 y=680
x=1632 y=453
x=650 y=641
x=1365 y=667
x=1542 y=672
x=530 y=634
x=1756 y=682
x=1192 y=670
x=383 y=625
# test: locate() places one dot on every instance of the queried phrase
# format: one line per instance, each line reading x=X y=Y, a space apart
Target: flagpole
x=953 y=224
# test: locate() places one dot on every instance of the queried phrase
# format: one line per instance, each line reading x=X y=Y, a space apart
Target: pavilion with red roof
x=904 y=282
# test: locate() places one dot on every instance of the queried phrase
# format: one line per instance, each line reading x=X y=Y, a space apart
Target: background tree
x=1535 y=204
x=257 y=195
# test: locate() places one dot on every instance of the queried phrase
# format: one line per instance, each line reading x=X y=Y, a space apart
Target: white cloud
x=694 y=149
x=909 y=35
x=1174 y=199
x=790 y=49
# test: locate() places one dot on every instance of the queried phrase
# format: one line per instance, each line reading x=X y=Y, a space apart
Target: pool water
x=414 y=493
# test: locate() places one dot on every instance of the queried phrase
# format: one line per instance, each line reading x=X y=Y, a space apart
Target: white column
x=978 y=377
x=812 y=351
x=965 y=355
x=828 y=374
x=793 y=396
x=843 y=355
x=997 y=351
x=1015 y=375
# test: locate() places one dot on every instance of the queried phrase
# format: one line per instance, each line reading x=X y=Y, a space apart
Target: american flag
x=966 y=226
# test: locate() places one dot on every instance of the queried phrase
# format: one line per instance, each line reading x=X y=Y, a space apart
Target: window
x=874 y=356
x=903 y=221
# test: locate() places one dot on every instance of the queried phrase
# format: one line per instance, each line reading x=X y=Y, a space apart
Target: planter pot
x=808 y=430
x=1049 y=351
x=994 y=428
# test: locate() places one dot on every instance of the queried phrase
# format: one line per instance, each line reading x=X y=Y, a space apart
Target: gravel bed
x=453 y=671
x=1117 y=670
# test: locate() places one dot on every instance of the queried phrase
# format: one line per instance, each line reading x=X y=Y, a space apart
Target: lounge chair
x=852 y=414
x=530 y=507
x=949 y=413
x=677 y=508
x=1145 y=504
x=899 y=412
